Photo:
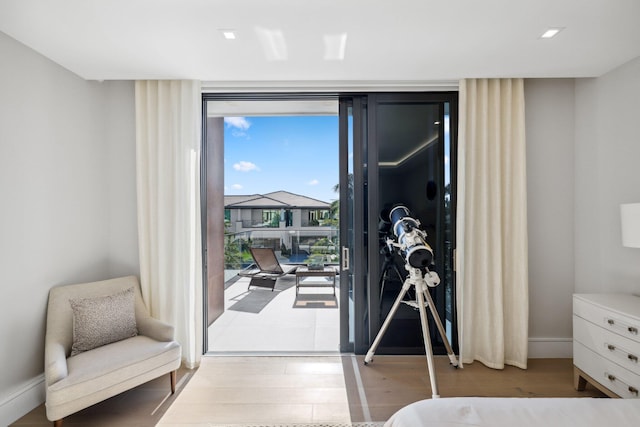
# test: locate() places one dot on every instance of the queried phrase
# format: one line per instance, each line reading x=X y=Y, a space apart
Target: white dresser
x=606 y=343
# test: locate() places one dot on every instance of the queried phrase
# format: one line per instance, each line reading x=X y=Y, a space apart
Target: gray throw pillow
x=103 y=320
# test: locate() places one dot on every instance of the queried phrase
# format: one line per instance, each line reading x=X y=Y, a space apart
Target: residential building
x=282 y=221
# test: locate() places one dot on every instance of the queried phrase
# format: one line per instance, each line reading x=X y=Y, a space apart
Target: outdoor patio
x=258 y=320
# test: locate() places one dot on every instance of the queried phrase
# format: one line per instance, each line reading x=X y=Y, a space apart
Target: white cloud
x=314 y=182
x=239 y=134
x=243 y=166
x=237 y=187
x=238 y=122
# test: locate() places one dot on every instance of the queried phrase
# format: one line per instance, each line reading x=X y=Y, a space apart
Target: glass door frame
x=372 y=203
x=360 y=240
x=352 y=119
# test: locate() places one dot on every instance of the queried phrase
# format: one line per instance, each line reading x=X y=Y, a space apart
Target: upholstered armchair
x=101 y=341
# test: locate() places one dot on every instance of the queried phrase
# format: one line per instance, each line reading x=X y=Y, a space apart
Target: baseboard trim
x=21 y=400
x=550 y=348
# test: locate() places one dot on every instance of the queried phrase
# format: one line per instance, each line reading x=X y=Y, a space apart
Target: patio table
x=305 y=278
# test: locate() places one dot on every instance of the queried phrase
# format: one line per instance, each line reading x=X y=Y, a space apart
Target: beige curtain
x=168 y=184
x=492 y=278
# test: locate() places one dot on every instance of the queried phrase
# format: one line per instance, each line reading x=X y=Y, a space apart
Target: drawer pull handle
x=633 y=358
x=633 y=390
x=611 y=377
x=633 y=330
x=611 y=322
x=611 y=347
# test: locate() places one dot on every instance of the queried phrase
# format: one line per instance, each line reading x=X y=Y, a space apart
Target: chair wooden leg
x=57 y=423
x=172 y=374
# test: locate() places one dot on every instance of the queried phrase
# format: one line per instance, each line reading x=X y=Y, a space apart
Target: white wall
x=66 y=177
x=121 y=176
x=583 y=161
x=549 y=109
x=607 y=173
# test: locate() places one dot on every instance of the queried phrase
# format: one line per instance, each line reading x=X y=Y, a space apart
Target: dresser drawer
x=614 y=347
x=612 y=318
x=619 y=380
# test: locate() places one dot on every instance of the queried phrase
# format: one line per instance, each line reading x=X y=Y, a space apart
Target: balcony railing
x=292 y=246
x=247 y=223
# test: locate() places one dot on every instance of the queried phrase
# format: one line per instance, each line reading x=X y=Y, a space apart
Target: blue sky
x=298 y=154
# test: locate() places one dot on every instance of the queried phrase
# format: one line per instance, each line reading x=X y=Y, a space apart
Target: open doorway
x=391 y=148
x=272 y=180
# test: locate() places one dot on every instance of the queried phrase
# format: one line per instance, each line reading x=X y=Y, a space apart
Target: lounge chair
x=266 y=269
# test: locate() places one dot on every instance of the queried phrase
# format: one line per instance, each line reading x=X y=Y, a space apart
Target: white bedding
x=518 y=412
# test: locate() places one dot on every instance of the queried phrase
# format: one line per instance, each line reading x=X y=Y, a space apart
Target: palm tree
x=334 y=209
x=336 y=188
x=232 y=252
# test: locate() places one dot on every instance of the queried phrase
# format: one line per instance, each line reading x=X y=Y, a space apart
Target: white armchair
x=86 y=361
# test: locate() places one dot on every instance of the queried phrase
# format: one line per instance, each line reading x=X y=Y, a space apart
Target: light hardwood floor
x=228 y=390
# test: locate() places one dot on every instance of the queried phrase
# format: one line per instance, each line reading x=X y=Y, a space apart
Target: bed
x=518 y=412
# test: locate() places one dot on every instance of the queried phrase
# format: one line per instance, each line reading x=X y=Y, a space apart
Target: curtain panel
x=492 y=264
x=168 y=192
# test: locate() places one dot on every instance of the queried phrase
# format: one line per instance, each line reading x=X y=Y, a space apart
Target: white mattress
x=518 y=412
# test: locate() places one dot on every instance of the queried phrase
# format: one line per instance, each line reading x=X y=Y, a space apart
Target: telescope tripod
x=424 y=299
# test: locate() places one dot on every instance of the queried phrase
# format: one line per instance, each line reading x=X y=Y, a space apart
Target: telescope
x=418 y=257
x=411 y=239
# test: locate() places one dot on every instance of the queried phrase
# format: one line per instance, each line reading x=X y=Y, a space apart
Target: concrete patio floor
x=278 y=327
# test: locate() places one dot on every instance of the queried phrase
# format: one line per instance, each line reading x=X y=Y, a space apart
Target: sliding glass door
x=403 y=154
x=353 y=331
x=393 y=149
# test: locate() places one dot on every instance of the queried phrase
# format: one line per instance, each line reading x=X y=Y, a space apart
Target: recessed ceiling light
x=229 y=34
x=551 y=32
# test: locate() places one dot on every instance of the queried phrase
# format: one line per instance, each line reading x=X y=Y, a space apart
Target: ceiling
x=301 y=42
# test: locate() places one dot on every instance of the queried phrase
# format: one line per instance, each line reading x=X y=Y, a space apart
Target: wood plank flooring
x=230 y=390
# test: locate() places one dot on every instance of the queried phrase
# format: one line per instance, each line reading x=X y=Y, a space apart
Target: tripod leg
x=427 y=343
x=369 y=357
x=443 y=333
x=386 y=267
